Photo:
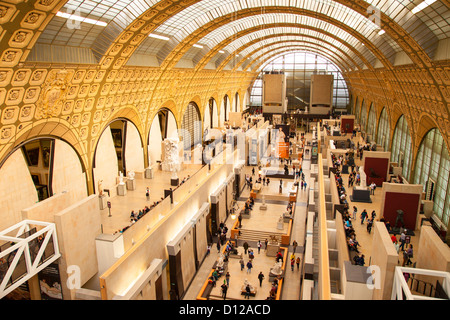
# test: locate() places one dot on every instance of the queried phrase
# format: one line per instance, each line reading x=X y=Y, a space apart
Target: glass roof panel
x=281 y=31
x=61 y=31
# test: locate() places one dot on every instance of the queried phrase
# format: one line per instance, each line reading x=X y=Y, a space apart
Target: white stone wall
x=17 y=189
x=68 y=174
x=106 y=165
x=134 y=153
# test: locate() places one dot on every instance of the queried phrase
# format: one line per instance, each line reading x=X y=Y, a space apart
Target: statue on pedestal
x=100 y=188
x=131 y=175
x=171 y=156
x=399 y=218
x=276 y=269
x=121 y=178
x=247 y=283
x=220 y=261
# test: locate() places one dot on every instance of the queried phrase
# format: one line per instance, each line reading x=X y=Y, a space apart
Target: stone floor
x=263 y=220
x=121 y=206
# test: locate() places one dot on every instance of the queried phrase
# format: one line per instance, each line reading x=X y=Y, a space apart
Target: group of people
x=403 y=244
x=350 y=233
x=135 y=216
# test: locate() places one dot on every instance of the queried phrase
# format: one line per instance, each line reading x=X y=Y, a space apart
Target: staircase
x=256 y=235
x=316 y=248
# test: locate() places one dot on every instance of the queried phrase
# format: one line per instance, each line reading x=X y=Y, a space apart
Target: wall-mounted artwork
x=45 y=147
x=32 y=156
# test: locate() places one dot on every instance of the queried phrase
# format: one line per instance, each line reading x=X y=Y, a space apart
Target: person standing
x=260 y=278
x=363 y=216
x=227 y=278
x=294 y=245
x=242 y=263
x=224 y=290
x=298 y=263
x=245 y=245
x=249 y=266
x=292 y=263
x=259 y=246
x=402 y=241
x=147 y=194
x=369 y=225
x=247 y=292
x=208 y=249
x=218 y=246
x=372 y=188
x=355 y=211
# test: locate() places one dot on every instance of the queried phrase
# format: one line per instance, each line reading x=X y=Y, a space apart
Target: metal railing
x=32 y=247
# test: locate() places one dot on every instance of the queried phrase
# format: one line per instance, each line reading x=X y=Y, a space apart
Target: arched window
x=432 y=170
x=192 y=134
x=372 y=122
x=401 y=147
x=363 y=116
x=357 y=111
x=383 y=132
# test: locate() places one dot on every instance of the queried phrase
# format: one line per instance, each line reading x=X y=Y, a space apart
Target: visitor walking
x=242 y=264
x=224 y=290
x=260 y=278
x=363 y=216
x=249 y=267
x=245 y=245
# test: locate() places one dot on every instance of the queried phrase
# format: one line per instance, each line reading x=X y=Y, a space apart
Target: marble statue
x=171 y=155
x=220 y=261
x=281 y=135
x=131 y=175
x=100 y=188
x=121 y=178
x=247 y=283
x=276 y=269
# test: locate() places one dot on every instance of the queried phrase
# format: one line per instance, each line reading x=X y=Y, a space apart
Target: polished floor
x=261 y=220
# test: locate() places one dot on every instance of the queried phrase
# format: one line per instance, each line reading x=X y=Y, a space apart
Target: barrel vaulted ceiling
x=377 y=44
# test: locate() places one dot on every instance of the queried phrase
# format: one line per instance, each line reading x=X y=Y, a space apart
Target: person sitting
x=359 y=260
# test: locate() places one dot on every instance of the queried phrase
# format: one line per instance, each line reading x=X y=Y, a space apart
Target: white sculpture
x=246 y=283
x=121 y=178
x=171 y=155
x=100 y=188
x=280 y=135
x=220 y=261
x=131 y=175
x=276 y=269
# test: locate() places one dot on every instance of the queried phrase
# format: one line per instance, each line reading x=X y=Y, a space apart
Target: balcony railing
x=27 y=247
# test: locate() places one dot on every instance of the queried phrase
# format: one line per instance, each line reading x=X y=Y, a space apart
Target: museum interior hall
x=233 y=150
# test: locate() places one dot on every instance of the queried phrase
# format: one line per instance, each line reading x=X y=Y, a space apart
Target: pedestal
x=131 y=184
x=272 y=249
x=280 y=225
x=174 y=182
x=121 y=189
x=263 y=206
x=149 y=173
x=103 y=202
x=345 y=169
x=360 y=194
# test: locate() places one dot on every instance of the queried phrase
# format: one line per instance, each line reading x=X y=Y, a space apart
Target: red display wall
x=350 y=123
x=408 y=202
x=380 y=167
